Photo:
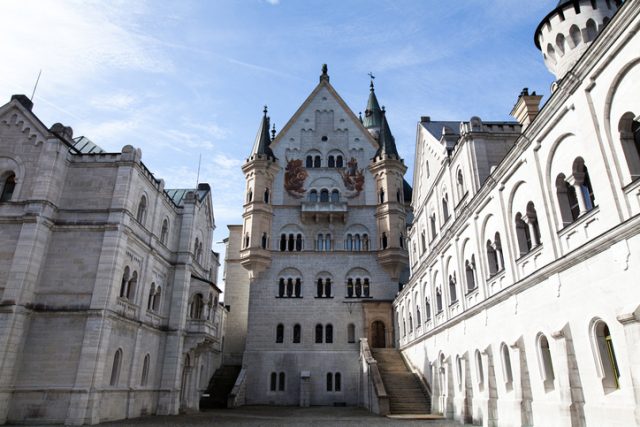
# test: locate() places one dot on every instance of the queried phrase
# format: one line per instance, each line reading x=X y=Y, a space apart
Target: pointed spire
x=372 y=115
x=386 y=141
x=273 y=132
x=263 y=140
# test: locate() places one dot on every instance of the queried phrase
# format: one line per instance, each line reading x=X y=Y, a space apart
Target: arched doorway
x=378 y=338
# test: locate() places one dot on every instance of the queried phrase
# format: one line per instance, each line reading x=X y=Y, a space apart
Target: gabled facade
x=523 y=305
x=324 y=252
x=108 y=302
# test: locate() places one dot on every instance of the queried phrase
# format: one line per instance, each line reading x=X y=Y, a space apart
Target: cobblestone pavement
x=269 y=416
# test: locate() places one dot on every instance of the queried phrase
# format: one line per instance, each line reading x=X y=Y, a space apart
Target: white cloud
x=72 y=41
x=113 y=102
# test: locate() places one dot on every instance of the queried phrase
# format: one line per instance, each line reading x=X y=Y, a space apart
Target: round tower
x=569 y=29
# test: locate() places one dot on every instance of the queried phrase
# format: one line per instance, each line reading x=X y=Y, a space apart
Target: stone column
x=515 y=352
x=576 y=181
x=532 y=231
x=630 y=320
x=570 y=408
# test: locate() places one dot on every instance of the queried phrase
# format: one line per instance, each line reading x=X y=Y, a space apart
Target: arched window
x=497 y=245
x=452 y=288
x=8 y=188
x=546 y=364
x=327 y=242
x=152 y=292
x=423 y=241
x=281 y=381
x=155 y=305
x=469 y=268
x=142 y=210
x=264 y=241
x=506 y=367
x=522 y=235
x=115 y=368
x=197 y=306
x=418 y=317
x=283 y=242
x=124 y=283
x=492 y=259
x=575 y=35
x=551 y=53
x=349 y=288
x=382 y=196
x=428 y=170
x=247 y=241
x=629 y=128
x=328 y=334
x=335 y=196
x=266 y=195
x=298 y=242
x=332 y=162
x=384 y=241
x=298 y=288
x=313 y=196
x=351 y=333
x=583 y=186
x=249 y=196
x=274 y=381
x=560 y=43
x=281 y=287
x=358 y=287
x=567 y=200
x=164 y=232
x=324 y=196
x=131 y=286
x=445 y=207
x=339 y=163
x=297 y=334
x=479 y=370
x=145 y=370
x=432 y=221
x=319 y=330
x=327 y=288
x=438 y=300
x=606 y=357
x=401 y=241
x=329 y=381
x=365 y=242
x=427 y=309
x=365 y=288
x=317 y=162
x=460 y=184
x=410 y=323
x=320 y=289
x=280 y=333
x=592 y=31
x=289 y=287
x=337 y=382
x=309 y=162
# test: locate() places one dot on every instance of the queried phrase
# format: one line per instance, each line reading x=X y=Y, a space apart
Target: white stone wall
x=581 y=271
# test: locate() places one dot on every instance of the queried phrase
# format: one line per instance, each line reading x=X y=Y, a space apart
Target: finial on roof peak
x=265 y=111
x=325 y=73
x=371 y=84
x=383 y=110
x=273 y=132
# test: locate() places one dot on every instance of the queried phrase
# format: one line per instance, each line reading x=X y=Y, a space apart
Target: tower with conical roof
x=569 y=29
x=259 y=171
x=373 y=114
x=388 y=170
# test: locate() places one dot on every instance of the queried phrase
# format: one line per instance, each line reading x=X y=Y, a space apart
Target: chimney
x=23 y=100
x=526 y=108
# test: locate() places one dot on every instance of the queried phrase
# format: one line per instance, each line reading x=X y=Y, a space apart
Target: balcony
x=202 y=329
x=321 y=211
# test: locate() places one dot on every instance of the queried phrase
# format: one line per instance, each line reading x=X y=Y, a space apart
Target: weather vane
x=372 y=76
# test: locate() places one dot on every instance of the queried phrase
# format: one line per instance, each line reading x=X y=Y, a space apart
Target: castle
x=522 y=241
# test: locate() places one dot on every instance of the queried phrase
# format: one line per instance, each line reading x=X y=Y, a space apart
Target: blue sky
x=181 y=79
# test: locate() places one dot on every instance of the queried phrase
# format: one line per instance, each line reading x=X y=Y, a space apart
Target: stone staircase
x=219 y=387
x=406 y=393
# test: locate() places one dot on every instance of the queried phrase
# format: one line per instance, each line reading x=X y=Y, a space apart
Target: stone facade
x=323 y=248
x=523 y=304
x=108 y=302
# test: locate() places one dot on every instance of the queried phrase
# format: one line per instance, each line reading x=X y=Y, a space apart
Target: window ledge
x=471 y=292
x=292 y=297
x=355 y=297
x=496 y=275
x=331 y=297
x=454 y=303
x=579 y=221
x=529 y=254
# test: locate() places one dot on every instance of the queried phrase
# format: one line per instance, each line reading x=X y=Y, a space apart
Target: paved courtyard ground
x=269 y=416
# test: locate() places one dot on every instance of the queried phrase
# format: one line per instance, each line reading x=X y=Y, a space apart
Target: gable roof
x=324 y=83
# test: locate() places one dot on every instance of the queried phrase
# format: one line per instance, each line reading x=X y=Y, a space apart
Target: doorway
x=378 y=339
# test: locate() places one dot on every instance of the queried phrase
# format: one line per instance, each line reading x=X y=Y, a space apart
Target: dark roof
x=436 y=128
x=373 y=113
x=386 y=141
x=85 y=146
x=178 y=194
x=407 y=190
x=263 y=139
